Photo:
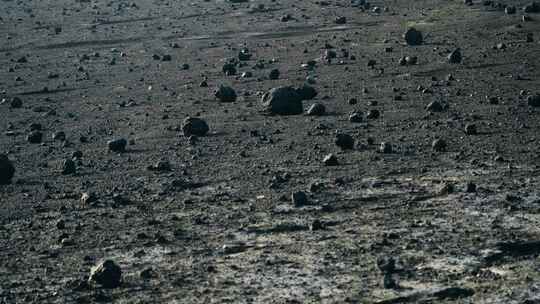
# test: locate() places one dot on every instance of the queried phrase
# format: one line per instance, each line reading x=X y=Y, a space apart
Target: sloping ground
x=220 y=227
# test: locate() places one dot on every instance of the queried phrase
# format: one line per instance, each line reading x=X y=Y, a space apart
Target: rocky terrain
x=269 y=151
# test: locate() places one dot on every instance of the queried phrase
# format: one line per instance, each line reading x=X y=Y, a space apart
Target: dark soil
x=209 y=216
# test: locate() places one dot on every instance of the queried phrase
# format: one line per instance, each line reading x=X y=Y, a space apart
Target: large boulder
x=7 y=170
x=283 y=101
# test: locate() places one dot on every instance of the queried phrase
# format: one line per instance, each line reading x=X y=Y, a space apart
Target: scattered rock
x=194 y=126
x=68 y=167
x=316 y=109
x=274 y=74
x=117 y=145
x=386 y=148
x=16 y=103
x=455 y=56
x=533 y=100
x=225 y=94
x=229 y=69
x=299 y=199
x=510 y=10
x=7 y=170
x=436 y=106
x=373 y=114
x=470 y=129
x=59 y=136
x=34 y=137
x=344 y=141
x=356 y=117
x=107 y=274
x=340 y=20
x=283 y=101
x=439 y=145
x=161 y=166
x=330 y=160
x=413 y=37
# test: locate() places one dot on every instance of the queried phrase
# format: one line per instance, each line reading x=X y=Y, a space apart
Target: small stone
x=59 y=136
x=356 y=117
x=373 y=114
x=225 y=94
x=117 y=145
x=411 y=60
x=107 y=274
x=7 y=170
x=344 y=141
x=455 y=56
x=435 y=106
x=68 y=167
x=330 y=160
x=316 y=225
x=471 y=187
x=194 y=126
x=470 y=129
x=340 y=20
x=510 y=10
x=386 y=148
x=299 y=199
x=274 y=74
x=439 y=145
x=34 y=137
x=413 y=37
x=316 y=109
x=533 y=100
x=160 y=166
x=229 y=69
x=244 y=55
x=16 y=103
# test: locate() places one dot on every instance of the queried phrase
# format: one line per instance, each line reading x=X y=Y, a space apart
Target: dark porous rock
x=413 y=36
x=344 y=141
x=283 y=101
x=7 y=170
x=194 y=126
x=225 y=94
x=330 y=160
x=316 y=109
x=107 y=274
x=117 y=145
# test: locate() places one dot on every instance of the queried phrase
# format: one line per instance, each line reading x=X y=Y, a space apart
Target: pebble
x=386 y=148
x=274 y=74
